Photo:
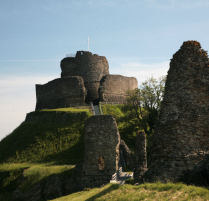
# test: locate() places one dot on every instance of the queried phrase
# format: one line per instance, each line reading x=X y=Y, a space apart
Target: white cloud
x=142 y=71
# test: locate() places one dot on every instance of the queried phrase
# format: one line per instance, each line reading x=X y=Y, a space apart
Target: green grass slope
x=48 y=135
x=127 y=127
x=154 y=191
x=11 y=176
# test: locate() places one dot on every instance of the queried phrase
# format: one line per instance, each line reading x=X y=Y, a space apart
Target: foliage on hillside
x=47 y=140
x=127 y=125
x=154 y=191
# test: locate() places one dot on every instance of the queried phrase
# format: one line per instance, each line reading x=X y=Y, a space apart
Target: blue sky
x=138 y=38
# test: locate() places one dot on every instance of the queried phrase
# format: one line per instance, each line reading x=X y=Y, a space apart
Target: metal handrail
x=100 y=107
x=92 y=106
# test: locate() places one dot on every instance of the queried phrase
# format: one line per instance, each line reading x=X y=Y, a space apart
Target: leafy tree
x=144 y=103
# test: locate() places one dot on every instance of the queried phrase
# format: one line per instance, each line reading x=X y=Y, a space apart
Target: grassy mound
x=48 y=135
x=11 y=176
x=148 y=191
x=127 y=126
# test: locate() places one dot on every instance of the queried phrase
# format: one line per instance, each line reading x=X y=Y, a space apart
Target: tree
x=144 y=103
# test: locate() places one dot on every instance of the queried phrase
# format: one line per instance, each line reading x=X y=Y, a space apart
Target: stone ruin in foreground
x=181 y=137
x=85 y=78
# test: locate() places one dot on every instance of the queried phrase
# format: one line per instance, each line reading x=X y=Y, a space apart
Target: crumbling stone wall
x=181 y=135
x=90 y=67
x=140 y=156
x=60 y=93
x=127 y=155
x=102 y=140
x=113 y=88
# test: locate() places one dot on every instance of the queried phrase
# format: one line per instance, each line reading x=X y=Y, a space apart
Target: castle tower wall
x=113 y=88
x=181 y=135
x=60 y=93
x=90 y=67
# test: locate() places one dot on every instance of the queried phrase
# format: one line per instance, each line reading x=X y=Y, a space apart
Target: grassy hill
x=127 y=126
x=50 y=142
x=154 y=191
x=47 y=135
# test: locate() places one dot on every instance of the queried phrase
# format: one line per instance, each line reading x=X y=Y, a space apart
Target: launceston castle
x=84 y=78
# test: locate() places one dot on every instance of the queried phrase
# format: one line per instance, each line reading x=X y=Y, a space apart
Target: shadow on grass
x=108 y=190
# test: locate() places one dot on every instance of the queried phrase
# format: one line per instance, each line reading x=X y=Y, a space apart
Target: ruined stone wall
x=60 y=93
x=181 y=135
x=113 y=88
x=102 y=141
x=127 y=155
x=90 y=67
x=140 y=156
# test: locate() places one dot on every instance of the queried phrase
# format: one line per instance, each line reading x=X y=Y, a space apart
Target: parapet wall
x=113 y=88
x=181 y=135
x=60 y=93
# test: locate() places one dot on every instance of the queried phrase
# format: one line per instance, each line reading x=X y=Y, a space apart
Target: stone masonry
x=90 y=67
x=113 y=88
x=102 y=141
x=181 y=137
x=140 y=156
x=92 y=74
x=60 y=93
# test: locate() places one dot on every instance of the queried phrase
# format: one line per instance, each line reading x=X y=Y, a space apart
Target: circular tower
x=91 y=67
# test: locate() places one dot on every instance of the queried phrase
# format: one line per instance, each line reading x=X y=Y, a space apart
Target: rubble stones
x=53 y=188
x=33 y=194
x=181 y=135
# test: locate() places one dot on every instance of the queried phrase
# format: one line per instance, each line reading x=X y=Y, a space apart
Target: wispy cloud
x=142 y=71
x=171 y=4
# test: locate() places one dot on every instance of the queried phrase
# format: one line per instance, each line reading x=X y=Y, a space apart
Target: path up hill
x=52 y=135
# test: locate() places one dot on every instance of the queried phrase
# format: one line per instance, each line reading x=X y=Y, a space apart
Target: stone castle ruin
x=101 y=158
x=181 y=137
x=84 y=78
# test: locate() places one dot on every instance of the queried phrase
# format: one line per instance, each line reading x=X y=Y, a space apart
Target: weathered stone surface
x=181 y=135
x=60 y=93
x=90 y=67
x=140 y=156
x=101 y=156
x=16 y=195
x=113 y=88
x=199 y=175
x=128 y=156
x=33 y=194
x=53 y=188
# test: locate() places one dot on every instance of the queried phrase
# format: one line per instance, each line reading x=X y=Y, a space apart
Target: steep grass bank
x=50 y=135
x=127 y=126
x=148 y=191
x=26 y=175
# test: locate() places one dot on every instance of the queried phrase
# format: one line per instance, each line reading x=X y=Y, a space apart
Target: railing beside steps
x=117 y=174
x=92 y=107
x=100 y=108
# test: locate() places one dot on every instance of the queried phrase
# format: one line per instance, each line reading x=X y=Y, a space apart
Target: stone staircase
x=96 y=110
x=120 y=177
